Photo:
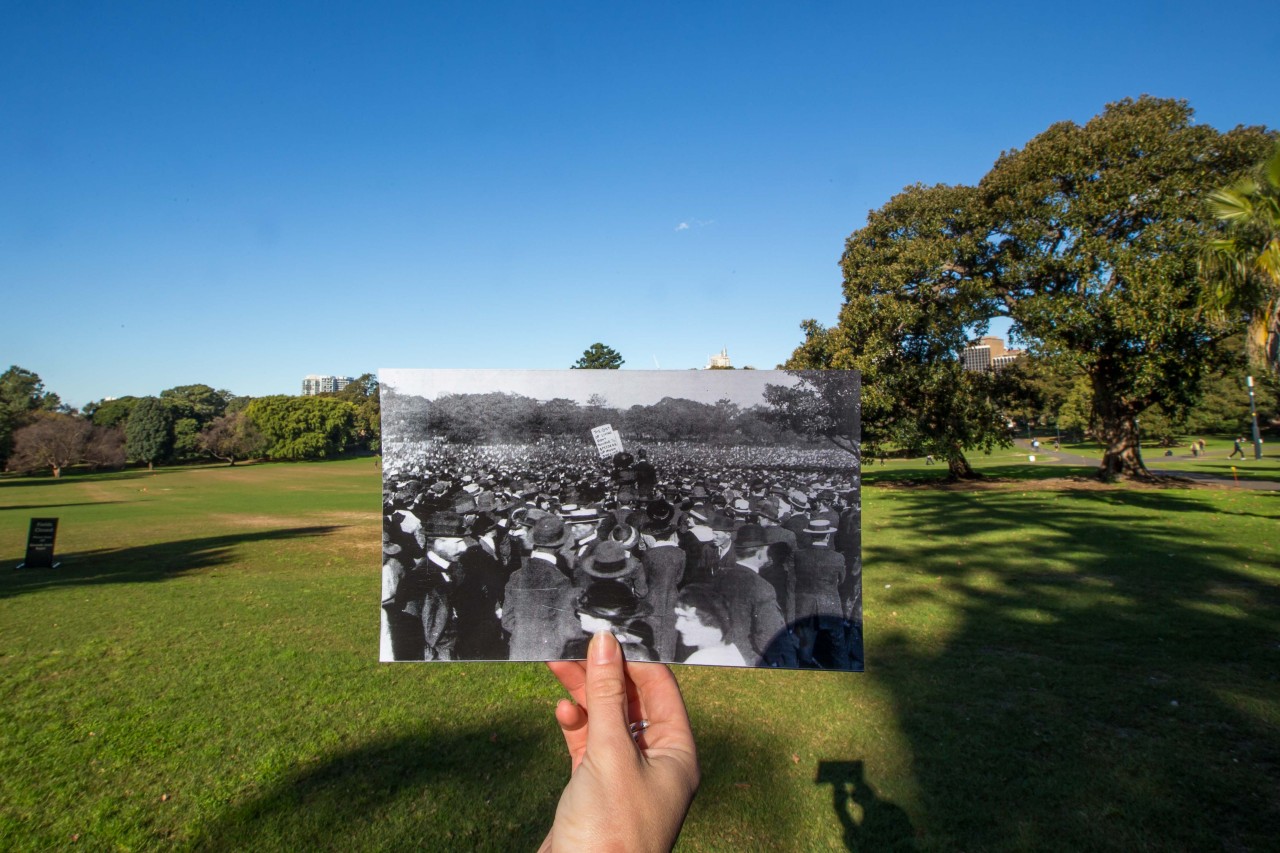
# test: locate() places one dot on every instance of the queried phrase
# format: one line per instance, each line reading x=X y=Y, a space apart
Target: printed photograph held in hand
x=703 y=517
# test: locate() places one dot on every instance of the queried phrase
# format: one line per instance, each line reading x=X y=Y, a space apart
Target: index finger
x=572 y=675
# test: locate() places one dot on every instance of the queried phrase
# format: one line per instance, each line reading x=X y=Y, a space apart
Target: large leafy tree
x=823 y=404
x=599 y=357
x=363 y=392
x=148 y=433
x=1087 y=239
x=913 y=296
x=1096 y=231
x=52 y=441
x=1243 y=264
x=231 y=437
x=303 y=427
x=109 y=413
x=22 y=397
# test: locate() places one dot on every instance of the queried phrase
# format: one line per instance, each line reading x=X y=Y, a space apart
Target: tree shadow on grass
x=56 y=505
x=155 y=562
x=1102 y=674
x=456 y=789
x=72 y=477
x=487 y=786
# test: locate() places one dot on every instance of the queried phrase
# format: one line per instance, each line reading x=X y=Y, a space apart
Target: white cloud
x=683 y=226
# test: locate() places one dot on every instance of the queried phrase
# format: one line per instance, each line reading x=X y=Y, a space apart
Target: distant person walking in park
x=1237 y=448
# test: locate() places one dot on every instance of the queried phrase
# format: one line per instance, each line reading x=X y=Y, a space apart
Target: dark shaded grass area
x=1111 y=682
x=145 y=563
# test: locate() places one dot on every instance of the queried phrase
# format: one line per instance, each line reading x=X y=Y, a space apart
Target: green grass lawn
x=1014 y=463
x=1049 y=667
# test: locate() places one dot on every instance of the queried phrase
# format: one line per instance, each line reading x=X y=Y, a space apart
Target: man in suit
x=538 y=600
x=819 y=610
x=478 y=596
x=757 y=628
x=664 y=561
x=438 y=572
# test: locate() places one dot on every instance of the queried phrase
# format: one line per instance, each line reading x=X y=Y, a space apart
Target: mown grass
x=1049 y=667
x=1014 y=463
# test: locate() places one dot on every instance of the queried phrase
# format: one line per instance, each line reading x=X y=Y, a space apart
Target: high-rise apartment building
x=988 y=353
x=314 y=384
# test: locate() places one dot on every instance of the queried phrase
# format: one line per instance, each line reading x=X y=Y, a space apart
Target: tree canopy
x=22 y=395
x=1243 y=263
x=51 y=441
x=303 y=427
x=149 y=431
x=910 y=306
x=599 y=357
x=1087 y=239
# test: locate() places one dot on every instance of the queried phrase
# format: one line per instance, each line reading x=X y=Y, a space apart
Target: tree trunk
x=958 y=468
x=1118 y=430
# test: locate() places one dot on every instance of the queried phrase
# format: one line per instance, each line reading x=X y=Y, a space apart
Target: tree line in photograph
x=498 y=417
x=182 y=424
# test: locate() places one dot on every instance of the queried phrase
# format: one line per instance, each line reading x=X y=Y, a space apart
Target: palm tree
x=1242 y=267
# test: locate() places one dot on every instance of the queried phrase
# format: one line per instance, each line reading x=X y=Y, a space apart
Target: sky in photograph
x=241 y=194
x=620 y=389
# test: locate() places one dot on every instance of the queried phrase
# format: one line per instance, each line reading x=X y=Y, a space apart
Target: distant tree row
x=182 y=424
x=502 y=417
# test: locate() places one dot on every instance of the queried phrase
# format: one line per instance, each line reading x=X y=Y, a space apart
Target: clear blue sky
x=240 y=194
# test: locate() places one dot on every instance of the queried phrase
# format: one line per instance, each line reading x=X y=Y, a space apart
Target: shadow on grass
x=881 y=476
x=57 y=506
x=434 y=790
x=880 y=825
x=1106 y=679
x=16 y=481
x=490 y=786
x=144 y=563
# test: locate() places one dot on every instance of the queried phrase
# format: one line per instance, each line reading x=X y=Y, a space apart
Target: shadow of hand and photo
x=869 y=822
x=144 y=563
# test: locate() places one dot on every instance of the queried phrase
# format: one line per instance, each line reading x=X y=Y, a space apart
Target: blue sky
x=241 y=194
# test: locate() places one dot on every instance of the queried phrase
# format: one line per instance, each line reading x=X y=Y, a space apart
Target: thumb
x=606 y=694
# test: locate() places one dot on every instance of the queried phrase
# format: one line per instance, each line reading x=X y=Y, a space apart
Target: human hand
x=624 y=794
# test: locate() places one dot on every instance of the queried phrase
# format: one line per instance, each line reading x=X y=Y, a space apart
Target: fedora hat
x=609 y=560
x=749 y=536
x=612 y=600
x=441 y=524
x=550 y=532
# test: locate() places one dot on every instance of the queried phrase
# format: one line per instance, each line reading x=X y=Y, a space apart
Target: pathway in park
x=1047 y=455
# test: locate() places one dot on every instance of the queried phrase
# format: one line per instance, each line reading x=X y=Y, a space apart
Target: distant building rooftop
x=719 y=362
x=988 y=353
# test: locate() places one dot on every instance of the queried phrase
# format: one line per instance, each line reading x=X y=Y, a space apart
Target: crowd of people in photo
x=691 y=553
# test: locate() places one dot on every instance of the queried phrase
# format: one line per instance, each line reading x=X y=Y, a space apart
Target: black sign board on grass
x=40 y=538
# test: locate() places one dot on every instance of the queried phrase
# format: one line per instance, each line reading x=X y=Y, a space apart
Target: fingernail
x=603 y=647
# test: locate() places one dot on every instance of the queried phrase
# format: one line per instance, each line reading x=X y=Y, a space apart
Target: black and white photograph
x=703 y=516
